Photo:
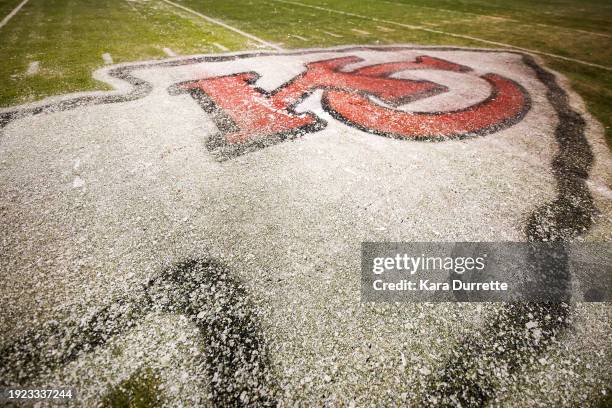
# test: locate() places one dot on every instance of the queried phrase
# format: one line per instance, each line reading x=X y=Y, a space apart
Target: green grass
x=69 y=36
x=140 y=390
x=6 y=6
x=593 y=15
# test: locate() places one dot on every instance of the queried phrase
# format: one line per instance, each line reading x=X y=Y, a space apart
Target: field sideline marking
x=500 y=17
x=12 y=13
x=467 y=37
x=222 y=24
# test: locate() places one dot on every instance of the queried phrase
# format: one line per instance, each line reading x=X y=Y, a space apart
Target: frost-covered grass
x=164 y=349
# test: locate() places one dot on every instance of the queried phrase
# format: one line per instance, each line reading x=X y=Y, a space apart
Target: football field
x=193 y=194
x=69 y=37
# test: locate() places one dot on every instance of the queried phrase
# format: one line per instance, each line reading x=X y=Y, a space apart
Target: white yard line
x=467 y=37
x=299 y=37
x=107 y=58
x=331 y=34
x=33 y=68
x=500 y=18
x=573 y=29
x=446 y=10
x=135 y=9
x=222 y=24
x=221 y=47
x=385 y=29
x=169 y=52
x=360 y=31
x=12 y=13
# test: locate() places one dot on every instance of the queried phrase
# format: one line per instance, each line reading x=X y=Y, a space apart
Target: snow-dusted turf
x=134 y=243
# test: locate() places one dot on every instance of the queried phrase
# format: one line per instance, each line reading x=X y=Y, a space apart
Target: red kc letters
x=249 y=116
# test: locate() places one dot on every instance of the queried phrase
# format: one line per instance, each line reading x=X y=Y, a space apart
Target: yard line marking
x=385 y=29
x=107 y=58
x=221 y=47
x=574 y=29
x=500 y=18
x=169 y=52
x=447 y=10
x=299 y=37
x=331 y=34
x=33 y=68
x=360 y=31
x=12 y=13
x=134 y=9
x=222 y=24
x=467 y=37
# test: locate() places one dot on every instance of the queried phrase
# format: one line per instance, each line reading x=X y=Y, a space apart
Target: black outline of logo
x=569 y=215
x=221 y=149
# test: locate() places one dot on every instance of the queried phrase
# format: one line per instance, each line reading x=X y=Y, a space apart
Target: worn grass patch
x=140 y=390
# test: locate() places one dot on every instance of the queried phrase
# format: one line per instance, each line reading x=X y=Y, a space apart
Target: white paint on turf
x=12 y=13
x=169 y=52
x=575 y=29
x=107 y=58
x=331 y=34
x=221 y=47
x=467 y=37
x=227 y=26
x=33 y=68
x=154 y=196
x=299 y=37
x=385 y=29
x=445 y=10
x=362 y=32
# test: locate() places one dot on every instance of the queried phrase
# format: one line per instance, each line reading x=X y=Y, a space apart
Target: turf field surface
x=69 y=37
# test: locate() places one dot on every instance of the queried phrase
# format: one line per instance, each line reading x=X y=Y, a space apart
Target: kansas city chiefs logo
x=197 y=174
x=368 y=98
